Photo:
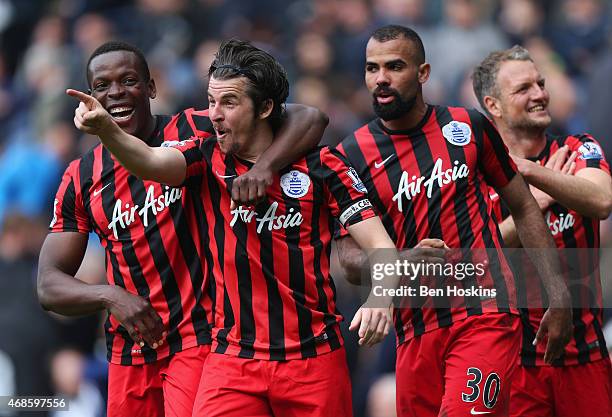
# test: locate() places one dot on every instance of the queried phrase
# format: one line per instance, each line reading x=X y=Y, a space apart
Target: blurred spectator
x=381 y=398
x=32 y=170
x=28 y=334
x=580 y=33
x=461 y=43
x=68 y=376
x=521 y=20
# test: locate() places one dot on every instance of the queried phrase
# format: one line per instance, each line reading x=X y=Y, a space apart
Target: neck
x=257 y=143
x=524 y=143
x=149 y=128
x=410 y=119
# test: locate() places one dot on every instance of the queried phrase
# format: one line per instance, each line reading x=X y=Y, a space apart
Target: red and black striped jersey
x=569 y=229
x=274 y=296
x=432 y=182
x=152 y=238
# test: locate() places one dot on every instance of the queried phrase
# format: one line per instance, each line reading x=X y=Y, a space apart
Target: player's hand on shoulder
x=250 y=188
x=372 y=324
x=137 y=316
x=90 y=116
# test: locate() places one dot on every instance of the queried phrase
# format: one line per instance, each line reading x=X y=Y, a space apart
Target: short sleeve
x=345 y=192
x=494 y=160
x=69 y=214
x=590 y=154
x=194 y=157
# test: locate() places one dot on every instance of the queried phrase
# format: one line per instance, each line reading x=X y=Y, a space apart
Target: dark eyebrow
x=394 y=62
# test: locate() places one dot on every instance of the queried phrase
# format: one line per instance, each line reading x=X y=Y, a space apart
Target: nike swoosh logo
x=384 y=161
x=96 y=192
x=223 y=176
x=476 y=413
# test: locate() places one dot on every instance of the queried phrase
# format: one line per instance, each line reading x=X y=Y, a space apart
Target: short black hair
x=392 y=32
x=120 y=46
x=267 y=79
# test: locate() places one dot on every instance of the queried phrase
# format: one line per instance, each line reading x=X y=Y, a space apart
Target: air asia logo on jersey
x=54 y=219
x=457 y=133
x=409 y=187
x=590 y=150
x=561 y=224
x=295 y=183
x=123 y=216
x=357 y=183
x=269 y=220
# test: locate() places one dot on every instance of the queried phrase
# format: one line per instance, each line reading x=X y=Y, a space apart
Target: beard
x=530 y=125
x=394 y=110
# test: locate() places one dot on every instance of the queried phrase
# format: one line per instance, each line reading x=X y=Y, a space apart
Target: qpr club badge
x=590 y=150
x=357 y=183
x=457 y=133
x=295 y=183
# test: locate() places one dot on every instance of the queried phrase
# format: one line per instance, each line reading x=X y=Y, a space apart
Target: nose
x=539 y=93
x=382 y=77
x=215 y=113
x=115 y=90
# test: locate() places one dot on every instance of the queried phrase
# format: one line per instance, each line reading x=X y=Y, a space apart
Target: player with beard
x=157 y=331
x=427 y=170
x=277 y=346
x=570 y=179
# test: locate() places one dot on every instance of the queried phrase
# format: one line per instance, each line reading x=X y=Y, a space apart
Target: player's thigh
x=531 y=393
x=232 y=387
x=181 y=379
x=480 y=362
x=419 y=375
x=135 y=391
x=312 y=387
x=584 y=390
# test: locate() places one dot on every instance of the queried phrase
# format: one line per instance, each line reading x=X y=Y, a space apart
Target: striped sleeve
x=194 y=158
x=345 y=193
x=69 y=214
x=187 y=124
x=494 y=159
x=590 y=154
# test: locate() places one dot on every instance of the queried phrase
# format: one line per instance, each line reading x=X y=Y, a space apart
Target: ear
x=152 y=88
x=424 y=71
x=266 y=109
x=493 y=106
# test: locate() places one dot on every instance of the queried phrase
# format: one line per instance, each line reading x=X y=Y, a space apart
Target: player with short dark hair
x=427 y=169
x=277 y=346
x=158 y=329
x=570 y=179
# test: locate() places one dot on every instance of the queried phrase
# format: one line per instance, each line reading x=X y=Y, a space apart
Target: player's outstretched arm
x=533 y=233
x=59 y=291
x=164 y=165
x=589 y=191
x=300 y=132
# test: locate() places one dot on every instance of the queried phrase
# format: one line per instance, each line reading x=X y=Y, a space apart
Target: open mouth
x=220 y=132
x=121 y=114
x=384 y=98
x=536 y=108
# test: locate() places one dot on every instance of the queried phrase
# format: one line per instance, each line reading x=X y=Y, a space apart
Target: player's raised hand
x=250 y=188
x=556 y=326
x=372 y=324
x=138 y=317
x=90 y=116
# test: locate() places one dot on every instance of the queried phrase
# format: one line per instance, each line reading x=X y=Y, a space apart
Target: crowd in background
x=44 y=47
